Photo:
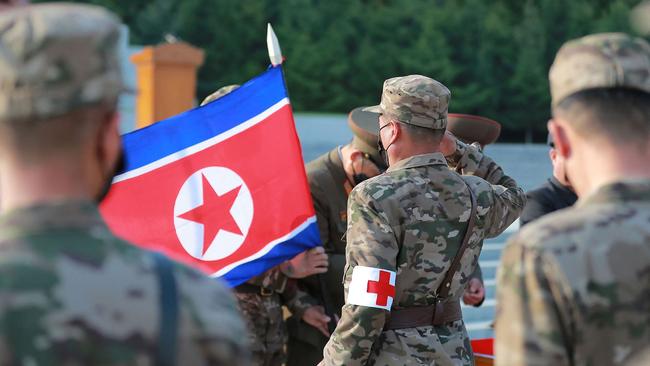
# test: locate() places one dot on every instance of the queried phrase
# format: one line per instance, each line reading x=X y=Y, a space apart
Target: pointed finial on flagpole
x=275 y=54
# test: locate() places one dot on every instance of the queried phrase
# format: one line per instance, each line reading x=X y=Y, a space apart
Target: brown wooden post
x=166 y=80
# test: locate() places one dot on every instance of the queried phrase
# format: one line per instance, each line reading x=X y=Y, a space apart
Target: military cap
x=55 y=58
x=365 y=127
x=641 y=17
x=606 y=60
x=469 y=128
x=219 y=93
x=416 y=100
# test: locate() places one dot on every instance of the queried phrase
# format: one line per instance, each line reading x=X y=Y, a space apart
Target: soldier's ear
x=110 y=144
x=396 y=131
x=562 y=144
x=355 y=154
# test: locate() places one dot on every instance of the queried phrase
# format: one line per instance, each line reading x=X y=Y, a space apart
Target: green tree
x=494 y=56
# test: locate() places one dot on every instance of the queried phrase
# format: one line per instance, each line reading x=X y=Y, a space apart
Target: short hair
x=423 y=134
x=620 y=115
x=31 y=140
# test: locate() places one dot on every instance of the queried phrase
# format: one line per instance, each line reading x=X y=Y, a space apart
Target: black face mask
x=119 y=167
x=380 y=146
x=358 y=177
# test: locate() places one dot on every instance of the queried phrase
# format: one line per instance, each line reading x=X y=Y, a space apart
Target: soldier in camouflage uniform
x=331 y=177
x=261 y=298
x=71 y=293
x=404 y=228
x=574 y=287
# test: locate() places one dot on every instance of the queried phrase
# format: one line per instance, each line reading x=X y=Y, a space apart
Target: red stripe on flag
x=266 y=156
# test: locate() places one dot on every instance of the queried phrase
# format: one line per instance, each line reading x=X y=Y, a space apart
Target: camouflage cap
x=365 y=127
x=415 y=99
x=600 y=61
x=641 y=17
x=55 y=58
x=219 y=93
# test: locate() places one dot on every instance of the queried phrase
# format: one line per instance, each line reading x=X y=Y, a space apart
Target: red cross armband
x=372 y=287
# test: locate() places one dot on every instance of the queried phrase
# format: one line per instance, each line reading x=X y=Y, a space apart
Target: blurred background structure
x=494 y=55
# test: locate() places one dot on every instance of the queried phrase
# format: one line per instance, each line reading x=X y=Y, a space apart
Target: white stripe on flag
x=202 y=145
x=267 y=248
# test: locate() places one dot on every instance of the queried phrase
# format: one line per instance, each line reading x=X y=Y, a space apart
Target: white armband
x=372 y=287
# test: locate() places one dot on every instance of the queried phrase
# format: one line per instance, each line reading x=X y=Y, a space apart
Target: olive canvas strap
x=168 y=329
x=443 y=291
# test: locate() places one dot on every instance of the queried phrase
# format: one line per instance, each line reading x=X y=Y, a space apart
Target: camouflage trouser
x=263 y=315
x=444 y=345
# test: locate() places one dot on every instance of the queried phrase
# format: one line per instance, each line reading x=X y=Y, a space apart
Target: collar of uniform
x=419 y=160
x=63 y=214
x=621 y=191
x=566 y=192
x=339 y=173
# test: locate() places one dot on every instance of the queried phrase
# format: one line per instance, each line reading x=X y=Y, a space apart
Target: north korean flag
x=221 y=187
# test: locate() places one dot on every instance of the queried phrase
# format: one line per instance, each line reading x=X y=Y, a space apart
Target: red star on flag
x=214 y=214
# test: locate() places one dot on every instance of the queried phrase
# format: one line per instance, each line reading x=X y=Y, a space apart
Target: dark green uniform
x=326 y=178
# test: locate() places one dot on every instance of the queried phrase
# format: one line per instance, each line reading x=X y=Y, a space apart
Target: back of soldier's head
x=600 y=84
x=59 y=68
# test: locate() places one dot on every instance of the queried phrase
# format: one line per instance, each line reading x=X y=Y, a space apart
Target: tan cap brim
x=372 y=109
x=470 y=128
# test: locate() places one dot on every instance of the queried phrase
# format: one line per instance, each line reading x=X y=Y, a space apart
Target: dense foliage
x=494 y=55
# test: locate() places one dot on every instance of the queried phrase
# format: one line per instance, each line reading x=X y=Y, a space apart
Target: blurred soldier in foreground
x=70 y=292
x=331 y=178
x=573 y=287
x=555 y=194
x=261 y=298
x=403 y=277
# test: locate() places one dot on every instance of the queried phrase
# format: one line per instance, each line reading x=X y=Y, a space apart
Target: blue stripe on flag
x=306 y=239
x=144 y=146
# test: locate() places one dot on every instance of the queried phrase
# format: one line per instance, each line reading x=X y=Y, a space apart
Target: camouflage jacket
x=263 y=313
x=73 y=294
x=275 y=281
x=411 y=220
x=574 y=286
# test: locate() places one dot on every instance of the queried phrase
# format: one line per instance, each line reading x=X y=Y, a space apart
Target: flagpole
x=272 y=44
x=275 y=55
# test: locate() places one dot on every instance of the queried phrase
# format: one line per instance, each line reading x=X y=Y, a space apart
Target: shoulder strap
x=443 y=291
x=168 y=328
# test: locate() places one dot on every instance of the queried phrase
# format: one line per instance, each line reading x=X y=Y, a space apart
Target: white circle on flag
x=223 y=181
